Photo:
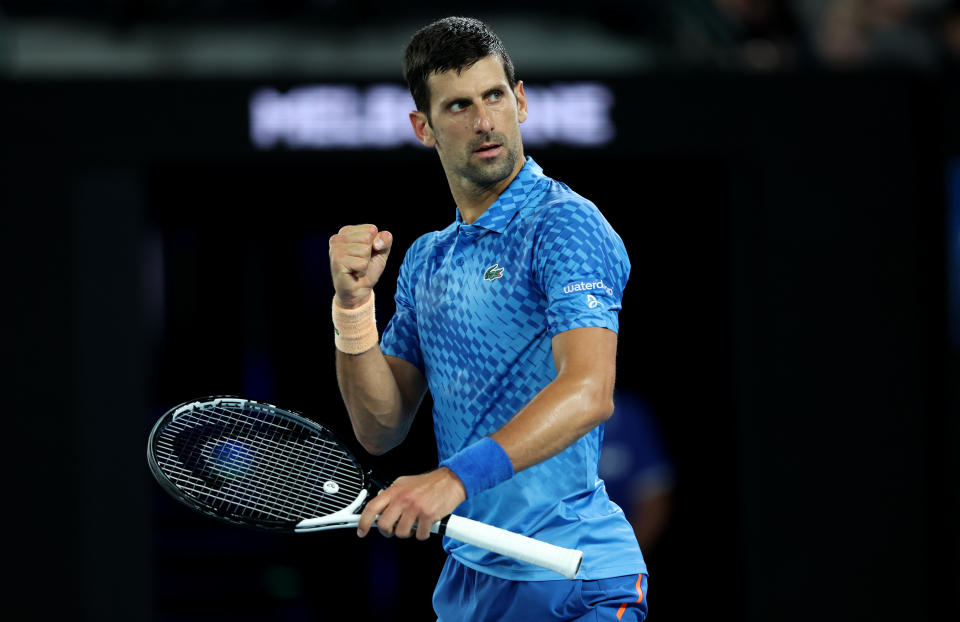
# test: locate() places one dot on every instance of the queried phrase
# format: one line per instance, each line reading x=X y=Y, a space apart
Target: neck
x=473 y=200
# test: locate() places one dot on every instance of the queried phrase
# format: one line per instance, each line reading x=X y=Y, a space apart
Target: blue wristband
x=480 y=466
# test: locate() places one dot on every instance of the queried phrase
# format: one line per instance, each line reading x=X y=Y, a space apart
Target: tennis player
x=509 y=316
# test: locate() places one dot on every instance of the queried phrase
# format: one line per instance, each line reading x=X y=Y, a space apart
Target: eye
x=495 y=96
x=459 y=105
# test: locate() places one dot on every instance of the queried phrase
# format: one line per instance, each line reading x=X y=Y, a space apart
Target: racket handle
x=558 y=559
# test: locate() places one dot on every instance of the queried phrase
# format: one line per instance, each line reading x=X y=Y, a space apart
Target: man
x=509 y=317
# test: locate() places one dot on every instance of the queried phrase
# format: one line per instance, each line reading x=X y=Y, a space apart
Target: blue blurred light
x=231 y=458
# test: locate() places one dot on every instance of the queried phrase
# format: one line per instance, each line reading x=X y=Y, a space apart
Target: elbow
x=601 y=398
x=605 y=407
x=373 y=449
x=375 y=445
x=597 y=401
x=377 y=439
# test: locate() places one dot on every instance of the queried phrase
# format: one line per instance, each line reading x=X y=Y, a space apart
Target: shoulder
x=558 y=207
x=559 y=214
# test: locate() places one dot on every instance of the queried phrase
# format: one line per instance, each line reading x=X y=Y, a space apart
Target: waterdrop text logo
x=586 y=286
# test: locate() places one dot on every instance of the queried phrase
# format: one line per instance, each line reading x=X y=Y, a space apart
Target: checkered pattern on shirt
x=485 y=345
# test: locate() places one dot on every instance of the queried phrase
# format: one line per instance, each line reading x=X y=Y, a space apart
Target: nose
x=483 y=121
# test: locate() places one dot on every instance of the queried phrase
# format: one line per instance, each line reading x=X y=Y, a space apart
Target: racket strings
x=255 y=463
x=274 y=490
x=282 y=477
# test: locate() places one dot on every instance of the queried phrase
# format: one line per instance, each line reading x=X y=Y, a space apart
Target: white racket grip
x=558 y=559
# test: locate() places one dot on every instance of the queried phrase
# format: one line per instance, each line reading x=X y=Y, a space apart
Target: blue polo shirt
x=477 y=306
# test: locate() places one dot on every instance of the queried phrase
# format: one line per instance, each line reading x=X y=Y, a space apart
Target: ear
x=521 y=101
x=421 y=127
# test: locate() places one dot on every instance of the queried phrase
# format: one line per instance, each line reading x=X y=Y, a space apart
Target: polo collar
x=500 y=213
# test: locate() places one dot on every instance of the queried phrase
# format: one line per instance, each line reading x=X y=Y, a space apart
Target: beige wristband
x=355 y=330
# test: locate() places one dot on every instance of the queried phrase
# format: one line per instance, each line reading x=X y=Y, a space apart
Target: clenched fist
x=358 y=254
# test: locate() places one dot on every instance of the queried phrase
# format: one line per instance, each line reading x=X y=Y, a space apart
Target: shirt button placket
x=463 y=245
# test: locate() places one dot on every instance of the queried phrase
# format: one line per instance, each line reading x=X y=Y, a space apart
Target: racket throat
x=347 y=517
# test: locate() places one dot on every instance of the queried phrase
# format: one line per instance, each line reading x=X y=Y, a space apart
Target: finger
x=381 y=251
x=354 y=243
x=383 y=241
x=357 y=266
x=359 y=233
x=369 y=515
x=387 y=521
x=405 y=526
x=423 y=528
x=350 y=249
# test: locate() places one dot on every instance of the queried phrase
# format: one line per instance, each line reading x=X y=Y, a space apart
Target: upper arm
x=582 y=267
x=588 y=356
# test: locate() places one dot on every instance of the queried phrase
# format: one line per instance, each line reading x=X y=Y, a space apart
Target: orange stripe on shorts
x=623 y=606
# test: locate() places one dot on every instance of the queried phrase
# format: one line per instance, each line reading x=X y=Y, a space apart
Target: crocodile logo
x=493 y=272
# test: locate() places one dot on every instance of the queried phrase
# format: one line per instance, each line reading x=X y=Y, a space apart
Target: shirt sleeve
x=401 y=338
x=582 y=267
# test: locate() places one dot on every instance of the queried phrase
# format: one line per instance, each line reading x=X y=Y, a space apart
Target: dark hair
x=451 y=43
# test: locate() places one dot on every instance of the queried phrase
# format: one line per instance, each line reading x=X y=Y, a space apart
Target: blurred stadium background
x=785 y=175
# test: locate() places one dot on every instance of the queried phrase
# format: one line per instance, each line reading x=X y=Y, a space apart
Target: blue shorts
x=465 y=594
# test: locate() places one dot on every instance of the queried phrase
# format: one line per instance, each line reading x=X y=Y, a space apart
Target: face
x=474 y=123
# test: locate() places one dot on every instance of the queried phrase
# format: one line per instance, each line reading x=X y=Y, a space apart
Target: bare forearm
x=557 y=417
x=381 y=393
x=373 y=399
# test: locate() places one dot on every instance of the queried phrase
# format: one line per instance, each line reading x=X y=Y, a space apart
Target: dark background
x=787 y=319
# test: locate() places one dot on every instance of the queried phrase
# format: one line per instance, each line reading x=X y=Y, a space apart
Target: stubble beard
x=484 y=174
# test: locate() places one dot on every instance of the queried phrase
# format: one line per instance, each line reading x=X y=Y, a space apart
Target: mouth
x=488 y=150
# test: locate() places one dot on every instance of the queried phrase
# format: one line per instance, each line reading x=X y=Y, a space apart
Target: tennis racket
x=250 y=463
